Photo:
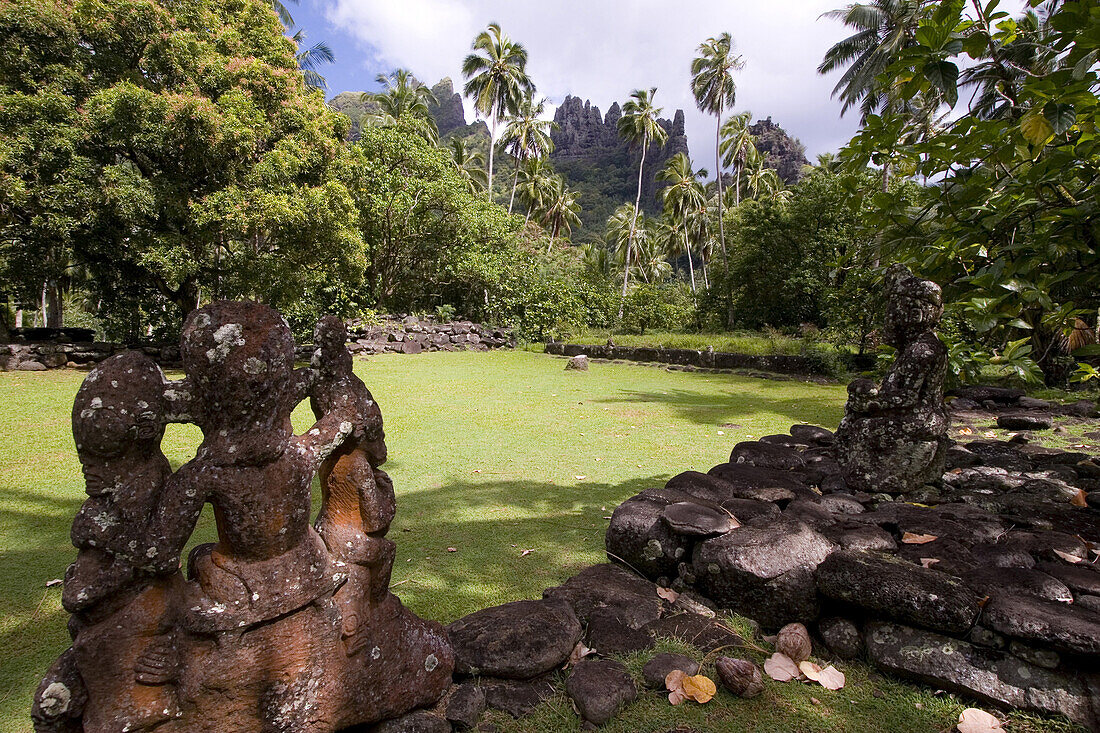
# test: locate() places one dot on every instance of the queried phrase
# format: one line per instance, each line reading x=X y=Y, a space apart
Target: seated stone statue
x=121 y=603
x=893 y=437
x=280 y=627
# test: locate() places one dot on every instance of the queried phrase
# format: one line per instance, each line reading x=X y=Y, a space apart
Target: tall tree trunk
x=492 y=137
x=691 y=267
x=54 y=313
x=515 y=182
x=42 y=306
x=706 y=280
x=633 y=222
x=527 y=218
x=718 y=167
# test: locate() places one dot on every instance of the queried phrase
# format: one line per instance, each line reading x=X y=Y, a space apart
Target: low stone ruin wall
x=395 y=335
x=412 y=335
x=37 y=357
x=986 y=584
x=778 y=363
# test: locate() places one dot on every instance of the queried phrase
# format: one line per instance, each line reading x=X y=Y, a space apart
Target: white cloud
x=603 y=49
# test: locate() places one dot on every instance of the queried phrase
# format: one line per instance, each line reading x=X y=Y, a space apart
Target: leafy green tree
x=1011 y=230
x=404 y=100
x=526 y=136
x=715 y=92
x=683 y=196
x=737 y=149
x=496 y=78
x=640 y=127
x=536 y=184
x=171 y=148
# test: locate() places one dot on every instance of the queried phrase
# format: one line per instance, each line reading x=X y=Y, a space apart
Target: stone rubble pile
x=985 y=583
x=412 y=335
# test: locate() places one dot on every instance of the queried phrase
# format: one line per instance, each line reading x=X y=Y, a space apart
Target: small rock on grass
x=599 y=687
x=656 y=670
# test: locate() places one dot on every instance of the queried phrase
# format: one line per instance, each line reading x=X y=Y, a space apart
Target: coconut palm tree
x=640 y=127
x=309 y=59
x=651 y=256
x=683 y=195
x=883 y=29
x=535 y=185
x=561 y=212
x=715 y=92
x=470 y=164
x=526 y=136
x=404 y=100
x=620 y=226
x=737 y=147
x=496 y=78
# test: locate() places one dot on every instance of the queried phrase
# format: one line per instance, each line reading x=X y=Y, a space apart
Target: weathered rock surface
x=599 y=687
x=987 y=674
x=418 y=721
x=518 y=640
x=465 y=705
x=1060 y=626
x=842 y=637
x=898 y=590
x=608 y=634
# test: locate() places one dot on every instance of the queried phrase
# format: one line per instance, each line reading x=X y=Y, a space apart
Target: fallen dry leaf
x=668 y=594
x=910 y=538
x=927 y=562
x=1067 y=557
x=580 y=651
x=525 y=553
x=781 y=668
x=699 y=688
x=1079 y=498
x=831 y=678
x=815 y=701
x=452 y=549
x=810 y=670
x=973 y=720
x=52 y=583
x=676 y=697
x=580 y=478
x=674 y=680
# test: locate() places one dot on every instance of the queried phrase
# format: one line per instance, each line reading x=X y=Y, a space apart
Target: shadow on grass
x=705 y=409
x=489 y=524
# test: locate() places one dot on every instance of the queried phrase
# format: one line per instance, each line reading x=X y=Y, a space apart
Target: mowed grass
x=492 y=455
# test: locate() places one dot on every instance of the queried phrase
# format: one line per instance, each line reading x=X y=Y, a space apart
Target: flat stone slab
x=696 y=520
x=767 y=455
x=898 y=590
x=1025 y=421
x=630 y=598
x=989 y=675
x=599 y=688
x=518 y=640
x=1061 y=626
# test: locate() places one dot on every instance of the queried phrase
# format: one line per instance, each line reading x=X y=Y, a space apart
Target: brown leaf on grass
x=580 y=651
x=982 y=603
x=699 y=688
x=910 y=538
x=831 y=678
x=781 y=668
x=676 y=697
x=452 y=549
x=668 y=594
x=525 y=553
x=1079 y=499
x=973 y=720
x=1067 y=557
x=927 y=562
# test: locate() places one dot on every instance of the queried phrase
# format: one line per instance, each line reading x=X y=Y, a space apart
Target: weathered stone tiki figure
x=279 y=626
x=893 y=437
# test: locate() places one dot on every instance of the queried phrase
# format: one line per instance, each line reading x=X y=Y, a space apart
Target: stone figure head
x=119 y=411
x=332 y=356
x=913 y=306
x=240 y=358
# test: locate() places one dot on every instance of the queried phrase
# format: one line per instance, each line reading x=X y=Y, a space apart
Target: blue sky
x=602 y=50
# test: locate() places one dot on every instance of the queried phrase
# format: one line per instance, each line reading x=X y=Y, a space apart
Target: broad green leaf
x=1036 y=128
x=1060 y=116
x=944 y=76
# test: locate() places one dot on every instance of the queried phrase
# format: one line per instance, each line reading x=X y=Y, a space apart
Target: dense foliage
x=1012 y=231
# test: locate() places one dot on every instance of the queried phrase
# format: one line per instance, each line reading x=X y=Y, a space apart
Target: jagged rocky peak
x=448 y=111
x=787 y=155
x=584 y=133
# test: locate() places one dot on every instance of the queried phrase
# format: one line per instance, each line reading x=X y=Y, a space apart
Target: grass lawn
x=745 y=342
x=491 y=454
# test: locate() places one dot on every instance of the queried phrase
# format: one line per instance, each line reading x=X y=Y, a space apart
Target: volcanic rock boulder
x=519 y=640
x=275 y=598
x=764 y=572
x=899 y=590
x=599 y=687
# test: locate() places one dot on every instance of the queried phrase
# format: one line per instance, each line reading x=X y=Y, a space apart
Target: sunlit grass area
x=745 y=342
x=492 y=454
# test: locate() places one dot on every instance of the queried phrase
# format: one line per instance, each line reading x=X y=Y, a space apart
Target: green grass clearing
x=747 y=342
x=492 y=454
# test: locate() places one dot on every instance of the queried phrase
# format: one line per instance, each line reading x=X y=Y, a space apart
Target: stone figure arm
x=173 y=520
x=903 y=385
